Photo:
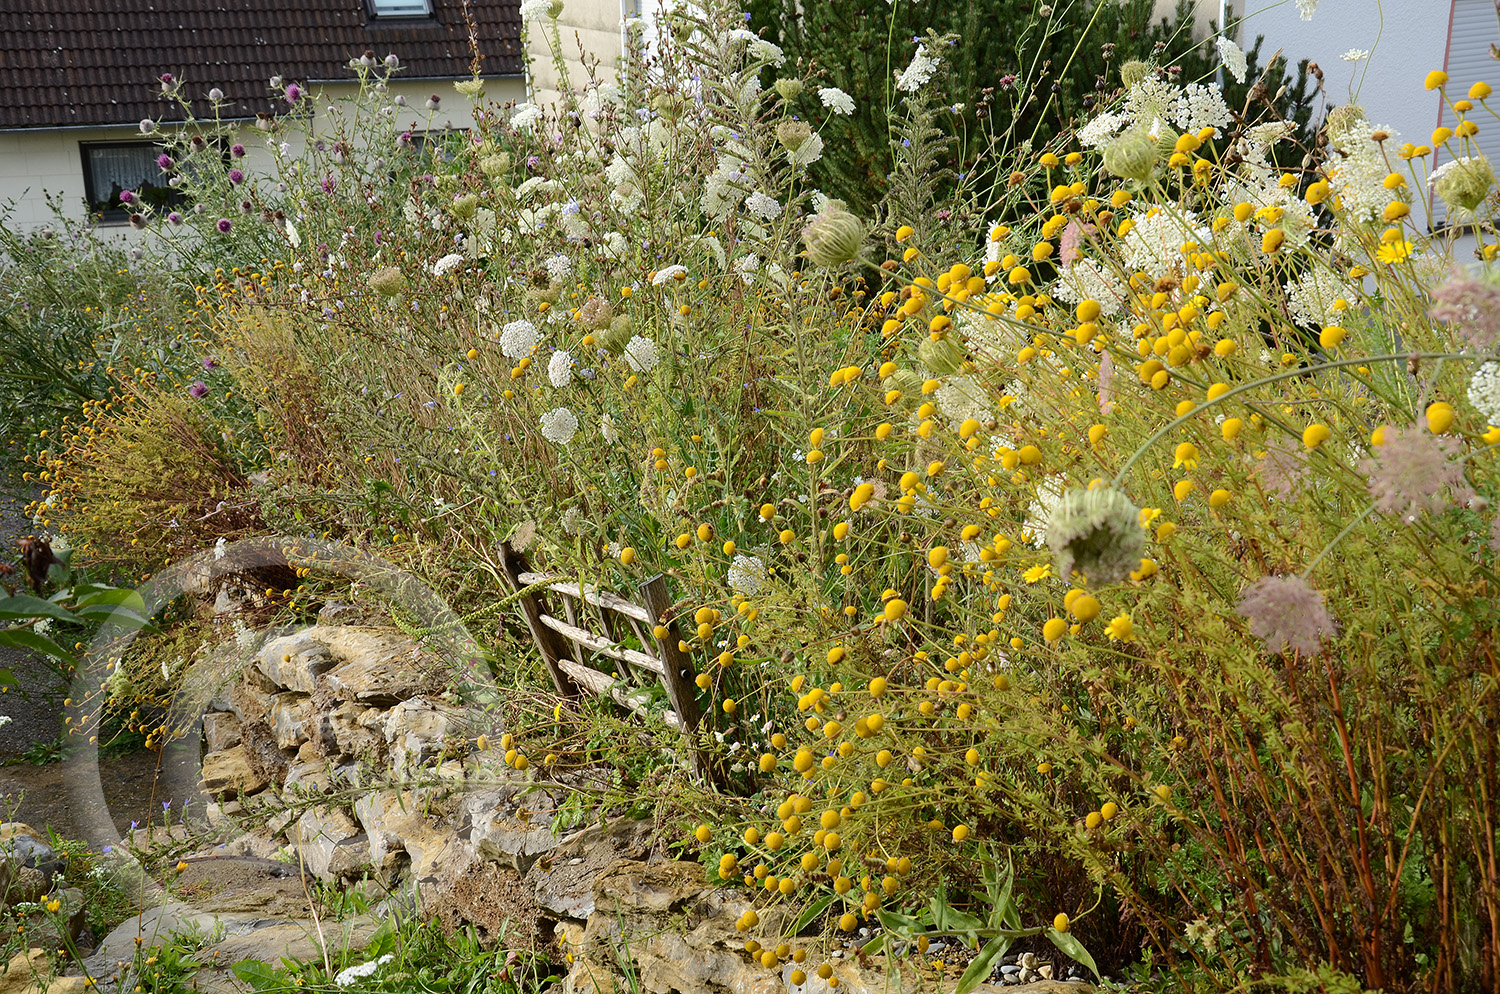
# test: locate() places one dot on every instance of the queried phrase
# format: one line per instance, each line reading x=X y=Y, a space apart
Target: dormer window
x=399 y=8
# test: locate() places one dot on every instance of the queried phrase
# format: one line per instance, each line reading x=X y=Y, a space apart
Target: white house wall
x=585 y=26
x=47 y=161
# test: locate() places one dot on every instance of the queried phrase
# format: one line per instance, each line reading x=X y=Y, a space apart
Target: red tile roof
x=66 y=63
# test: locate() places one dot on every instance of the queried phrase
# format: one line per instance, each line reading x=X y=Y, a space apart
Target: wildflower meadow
x=1085 y=533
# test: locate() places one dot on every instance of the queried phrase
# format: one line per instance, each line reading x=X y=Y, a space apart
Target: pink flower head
x=127 y=197
x=293 y=93
x=1471 y=305
x=224 y=225
x=236 y=177
x=237 y=150
x=164 y=162
x=198 y=389
x=1414 y=471
x=1286 y=614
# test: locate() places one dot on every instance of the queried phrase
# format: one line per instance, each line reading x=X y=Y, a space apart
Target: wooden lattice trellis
x=593 y=624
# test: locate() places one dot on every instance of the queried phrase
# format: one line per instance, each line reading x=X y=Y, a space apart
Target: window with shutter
x=1474 y=27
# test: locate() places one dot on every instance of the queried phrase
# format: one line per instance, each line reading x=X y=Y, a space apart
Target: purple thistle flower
x=236 y=177
x=246 y=207
x=209 y=362
x=1286 y=614
x=1414 y=472
x=224 y=225
x=1472 y=305
x=174 y=219
x=198 y=389
x=293 y=93
x=127 y=197
x=237 y=150
x=164 y=162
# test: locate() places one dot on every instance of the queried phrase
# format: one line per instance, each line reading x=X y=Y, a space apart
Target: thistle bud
x=789 y=89
x=465 y=206
x=833 y=236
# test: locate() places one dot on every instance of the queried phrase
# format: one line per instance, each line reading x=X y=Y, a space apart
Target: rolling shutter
x=1473 y=28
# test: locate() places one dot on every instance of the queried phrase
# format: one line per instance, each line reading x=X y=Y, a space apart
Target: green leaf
x=1073 y=949
x=27 y=607
x=113 y=615
x=260 y=976
x=94 y=594
x=810 y=912
x=903 y=925
x=874 y=946
x=25 y=638
x=8 y=679
x=981 y=966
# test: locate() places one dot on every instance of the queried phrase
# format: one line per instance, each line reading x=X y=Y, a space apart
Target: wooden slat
x=605 y=685
x=589 y=593
x=603 y=646
x=548 y=644
x=678 y=676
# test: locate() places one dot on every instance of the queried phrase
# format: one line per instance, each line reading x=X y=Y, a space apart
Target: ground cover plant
x=1097 y=559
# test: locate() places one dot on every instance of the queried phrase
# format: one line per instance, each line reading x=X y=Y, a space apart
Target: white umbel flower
x=641 y=354
x=1484 y=392
x=447 y=264
x=1233 y=58
x=1306 y=8
x=518 y=338
x=559 y=425
x=559 y=267
x=836 y=100
x=763 y=206
x=560 y=369
x=918 y=72
x=747 y=575
x=608 y=430
x=350 y=974
x=668 y=274
x=526 y=116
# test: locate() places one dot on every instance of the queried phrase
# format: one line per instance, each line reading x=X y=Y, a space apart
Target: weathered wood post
x=548 y=642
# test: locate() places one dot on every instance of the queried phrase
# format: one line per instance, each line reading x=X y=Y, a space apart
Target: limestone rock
x=417 y=730
x=317 y=833
x=156 y=924
x=24 y=845
x=510 y=824
x=353 y=729
x=288 y=717
x=298 y=941
x=221 y=730
x=295 y=662
x=570 y=881
x=398 y=821
x=30 y=972
x=377 y=667
x=229 y=772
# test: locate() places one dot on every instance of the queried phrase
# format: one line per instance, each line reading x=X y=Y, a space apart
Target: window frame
x=403 y=13
x=119 y=214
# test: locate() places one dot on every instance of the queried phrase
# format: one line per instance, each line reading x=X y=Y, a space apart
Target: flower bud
x=1131 y=156
x=1133 y=72
x=387 y=282
x=789 y=89
x=791 y=134
x=833 y=236
x=1466 y=182
x=942 y=357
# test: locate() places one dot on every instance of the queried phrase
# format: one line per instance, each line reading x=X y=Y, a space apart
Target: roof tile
x=72 y=62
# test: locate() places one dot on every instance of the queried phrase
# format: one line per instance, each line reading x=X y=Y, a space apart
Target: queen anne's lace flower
x=836 y=100
x=747 y=575
x=447 y=264
x=917 y=74
x=1201 y=106
x=641 y=354
x=668 y=274
x=560 y=369
x=525 y=117
x=518 y=338
x=1313 y=295
x=559 y=267
x=1101 y=130
x=763 y=205
x=559 y=425
x=1414 y=471
x=1484 y=392
x=1286 y=614
x=1233 y=58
